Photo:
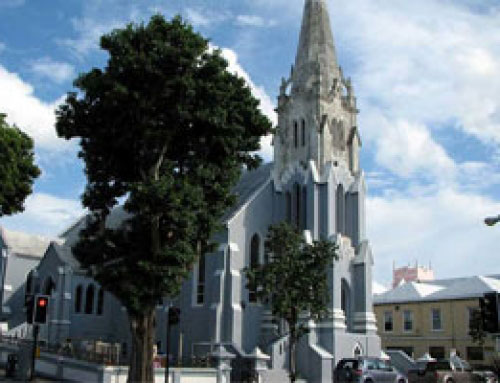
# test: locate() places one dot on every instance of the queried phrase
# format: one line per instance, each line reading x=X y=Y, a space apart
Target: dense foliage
x=17 y=168
x=293 y=280
x=165 y=127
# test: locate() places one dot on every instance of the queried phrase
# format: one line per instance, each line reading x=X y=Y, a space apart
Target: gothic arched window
x=304 y=208
x=89 y=299
x=100 y=302
x=200 y=288
x=78 y=299
x=254 y=262
x=297 y=205
x=49 y=286
x=339 y=207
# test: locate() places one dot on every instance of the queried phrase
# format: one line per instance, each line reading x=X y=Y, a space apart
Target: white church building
x=315 y=182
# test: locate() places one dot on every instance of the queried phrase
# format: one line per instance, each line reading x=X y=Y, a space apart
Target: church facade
x=315 y=183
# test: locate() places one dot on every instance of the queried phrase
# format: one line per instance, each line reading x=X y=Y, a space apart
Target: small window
x=436 y=319
x=288 y=207
x=78 y=299
x=303 y=132
x=407 y=320
x=304 y=208
x=437 y=352
x=388 y=322
x=89 y=299
x=200 y=290
x=475 y=353
x=100 y=302
x=297 y=206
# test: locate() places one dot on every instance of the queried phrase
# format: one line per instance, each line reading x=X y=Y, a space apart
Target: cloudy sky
x=426 y=74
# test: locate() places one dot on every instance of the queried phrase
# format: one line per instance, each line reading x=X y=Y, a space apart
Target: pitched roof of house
x=24 y=244
x=455 y=288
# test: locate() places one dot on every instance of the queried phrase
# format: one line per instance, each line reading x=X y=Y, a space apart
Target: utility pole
x=36 y=329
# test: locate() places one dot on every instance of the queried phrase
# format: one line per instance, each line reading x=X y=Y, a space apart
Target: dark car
x=366 y=370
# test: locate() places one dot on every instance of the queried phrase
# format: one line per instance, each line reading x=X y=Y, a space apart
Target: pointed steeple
x=316 y=51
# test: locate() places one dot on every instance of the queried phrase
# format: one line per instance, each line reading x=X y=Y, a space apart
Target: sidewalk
x=35 y=380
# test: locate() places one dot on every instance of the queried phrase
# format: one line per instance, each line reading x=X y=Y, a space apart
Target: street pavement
x=35 y=380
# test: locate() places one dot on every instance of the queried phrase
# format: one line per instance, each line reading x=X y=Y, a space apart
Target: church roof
x=250 y=182
x=25 y=244
x=316 y=45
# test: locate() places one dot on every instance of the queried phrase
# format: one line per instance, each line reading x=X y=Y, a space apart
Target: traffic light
x=29 y=304
x=174 y=314
x=489 y=312
x=41 y=309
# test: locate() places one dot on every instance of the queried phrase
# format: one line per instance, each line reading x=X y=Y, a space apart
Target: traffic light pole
x=36 y=329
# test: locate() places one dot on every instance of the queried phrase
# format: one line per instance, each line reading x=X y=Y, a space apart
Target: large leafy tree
x=293 y=280
x=166 y=128
x=476 y=330
x=17 y=168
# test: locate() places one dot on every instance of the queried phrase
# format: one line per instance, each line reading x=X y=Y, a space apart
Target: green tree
x=476 y=330
x=17 y=168
x=293 y=280
x=166 y=128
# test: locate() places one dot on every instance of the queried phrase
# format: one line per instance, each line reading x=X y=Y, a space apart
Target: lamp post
x=490 y=221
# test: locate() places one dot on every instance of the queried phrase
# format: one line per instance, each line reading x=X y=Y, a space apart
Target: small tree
x=17 y=168
x=294 y=280
x=476 y=330
x=168 y=129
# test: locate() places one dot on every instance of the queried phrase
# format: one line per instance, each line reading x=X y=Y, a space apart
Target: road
x=35 y=380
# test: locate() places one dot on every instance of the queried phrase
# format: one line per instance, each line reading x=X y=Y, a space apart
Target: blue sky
x=425 y=74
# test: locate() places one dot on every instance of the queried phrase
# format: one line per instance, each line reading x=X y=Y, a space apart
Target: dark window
x=78 y=299
x=200 y=290
x=475 y=353
x=254 y=262
x=388 y=322
x=100 y=302
x=304 y=208
x=408 y=320
x=437 y=352
x=340 y=216
x=436 y=319
x=288 y=207
x=89 y=299
x=303 y=132
x=49 y=286
x=297 y=205
x=295 y=134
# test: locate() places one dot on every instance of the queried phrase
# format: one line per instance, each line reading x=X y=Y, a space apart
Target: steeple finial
x=316 y=50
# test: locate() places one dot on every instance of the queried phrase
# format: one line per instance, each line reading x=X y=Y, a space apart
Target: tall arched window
x=89 y=299
x=254 y=262
x=78 y=299
x=295 y=134
x=298 y=198
x=340 y=199
x=100 y=302
x=200 y=288
x=346 y=302
x=304 y=208
x=303 y=132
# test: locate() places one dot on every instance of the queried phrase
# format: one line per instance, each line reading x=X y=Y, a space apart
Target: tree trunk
x=292 y=360
x=141 y=359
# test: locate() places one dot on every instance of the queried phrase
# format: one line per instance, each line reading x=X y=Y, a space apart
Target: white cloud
x=266 y=104
x=253 y=21
x=445 y=228
x=45 y=214
x=57 y=72
x=29 y=113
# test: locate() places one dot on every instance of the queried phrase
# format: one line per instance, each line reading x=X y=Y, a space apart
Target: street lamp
x=490 y=221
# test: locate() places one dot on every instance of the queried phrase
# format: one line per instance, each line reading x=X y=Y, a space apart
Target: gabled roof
x=439 y=290
x=407 y=292
x=25 y=244
x=250 y=182
x=65 y=255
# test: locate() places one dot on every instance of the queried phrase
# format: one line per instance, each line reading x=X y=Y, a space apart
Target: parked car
x=488 y=376
x=366 y=370
x=455 y=370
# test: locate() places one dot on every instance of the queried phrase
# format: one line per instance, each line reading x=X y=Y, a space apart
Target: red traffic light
x=42 y=302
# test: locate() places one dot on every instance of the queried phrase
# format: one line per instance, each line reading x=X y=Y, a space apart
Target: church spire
x=316 y=50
